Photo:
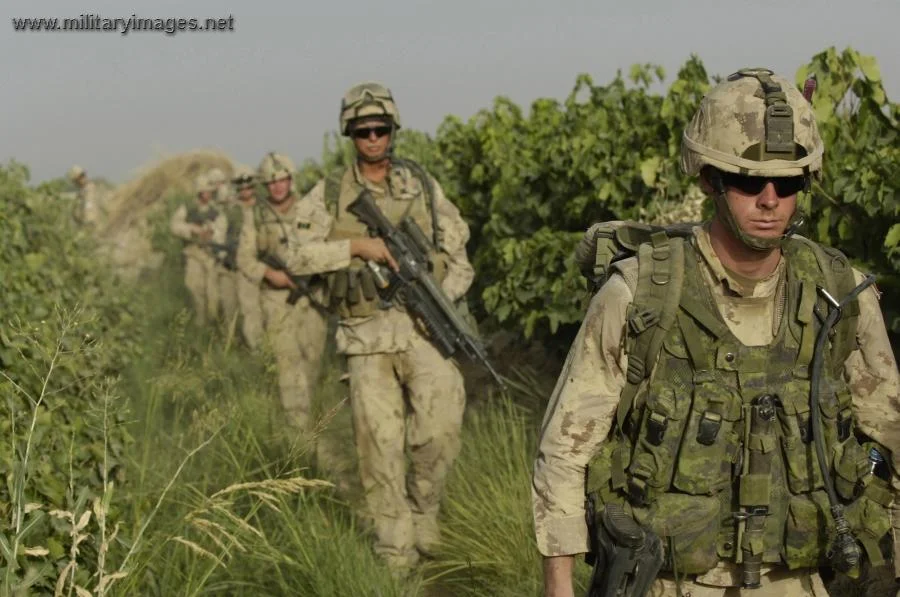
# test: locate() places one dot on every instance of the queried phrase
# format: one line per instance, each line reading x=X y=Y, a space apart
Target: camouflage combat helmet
x=755 y=123
x=243 y=176
x=215 y=176
x=202 y=184
x=75 y=172
x=368 y=99
x=275 y=166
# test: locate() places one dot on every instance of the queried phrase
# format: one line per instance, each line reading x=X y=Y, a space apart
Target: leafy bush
x=64 y=434
x=529 y=182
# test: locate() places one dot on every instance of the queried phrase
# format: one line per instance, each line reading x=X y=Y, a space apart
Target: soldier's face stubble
x=764 y=214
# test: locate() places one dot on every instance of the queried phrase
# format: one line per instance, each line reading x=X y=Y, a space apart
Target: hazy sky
x=111 y=102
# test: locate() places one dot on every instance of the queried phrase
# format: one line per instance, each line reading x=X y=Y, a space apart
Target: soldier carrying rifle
x=728 y=407
x=405 y=392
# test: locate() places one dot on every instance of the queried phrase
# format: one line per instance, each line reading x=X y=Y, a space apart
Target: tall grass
x=488 y=545
x=218 y=497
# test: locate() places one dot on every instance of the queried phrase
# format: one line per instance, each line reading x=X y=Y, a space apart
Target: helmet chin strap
x=757 y=243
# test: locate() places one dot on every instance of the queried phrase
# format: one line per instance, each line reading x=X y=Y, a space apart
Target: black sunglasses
x=785 y=186
x=364 y=132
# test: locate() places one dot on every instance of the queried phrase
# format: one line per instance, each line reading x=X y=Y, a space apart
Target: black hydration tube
x=844 y=552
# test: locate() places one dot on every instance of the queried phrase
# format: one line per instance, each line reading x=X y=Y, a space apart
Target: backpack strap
x=652 y=311
x=428 y=188
x=333 y=191
x=839 y=282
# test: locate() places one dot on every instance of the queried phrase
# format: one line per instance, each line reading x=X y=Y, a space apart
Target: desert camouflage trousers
x=201 y=277
x=228 y=295
x=780 y=582
x=296 y=335
x=426 y=419
x=251 y=311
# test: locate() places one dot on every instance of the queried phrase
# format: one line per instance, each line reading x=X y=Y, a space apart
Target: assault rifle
x=414 y=286
x=225 y=253
x=303 y=284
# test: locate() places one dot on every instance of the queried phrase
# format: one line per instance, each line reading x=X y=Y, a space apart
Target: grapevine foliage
x=529 y=182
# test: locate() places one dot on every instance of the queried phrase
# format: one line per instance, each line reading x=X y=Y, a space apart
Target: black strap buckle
x=708 y=428
x=656 y=428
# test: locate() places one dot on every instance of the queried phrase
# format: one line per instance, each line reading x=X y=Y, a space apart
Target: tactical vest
x=272 y=228
x=197 y=214
x=682 y=437
x=352 y=292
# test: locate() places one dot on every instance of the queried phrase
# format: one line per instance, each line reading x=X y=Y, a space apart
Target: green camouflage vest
x=352 y=292
x=677 y=453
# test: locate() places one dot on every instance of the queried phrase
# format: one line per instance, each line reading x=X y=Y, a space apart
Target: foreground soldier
x=244 y=182
x=709 y=439
x=199 y=224
x=87 y=212
x=404 y=394
x=296 y=332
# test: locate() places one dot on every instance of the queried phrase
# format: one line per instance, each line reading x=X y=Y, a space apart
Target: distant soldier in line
x=87 y=211
x=199 y=224
x=225 y=202
x=223 y=192
x=244 y=182
x=296 y=332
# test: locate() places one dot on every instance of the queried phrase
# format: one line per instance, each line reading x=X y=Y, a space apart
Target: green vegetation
x=142 y=456
x=530 y=181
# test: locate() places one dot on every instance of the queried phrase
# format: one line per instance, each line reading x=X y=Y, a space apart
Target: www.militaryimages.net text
x=124 y=26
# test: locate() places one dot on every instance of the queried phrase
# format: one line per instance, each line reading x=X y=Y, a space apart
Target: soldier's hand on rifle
x=373 y=249
x=278 y=279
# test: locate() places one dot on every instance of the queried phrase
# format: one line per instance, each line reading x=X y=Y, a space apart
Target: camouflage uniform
x=200 y=269
x=583 y=408
x=404 y=394
x=248 y=292
x=227 y=278
x=87 y=212
x=297 y=333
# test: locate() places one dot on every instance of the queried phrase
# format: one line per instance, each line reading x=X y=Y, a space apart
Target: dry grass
x=170 y=174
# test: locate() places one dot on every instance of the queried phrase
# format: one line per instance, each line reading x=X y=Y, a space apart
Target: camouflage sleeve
x=247 y=263
x=875 y=383
x=178 y=223
x=578 y=419
x=316 y=254
x=454 y=233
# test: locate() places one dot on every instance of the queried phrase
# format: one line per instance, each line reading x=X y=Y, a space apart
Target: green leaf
x=893 y=237
x=649 y=169
x=869 y=67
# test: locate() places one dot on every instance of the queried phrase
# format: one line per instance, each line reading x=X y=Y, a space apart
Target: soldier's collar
x=732 y=282
x=396 y=180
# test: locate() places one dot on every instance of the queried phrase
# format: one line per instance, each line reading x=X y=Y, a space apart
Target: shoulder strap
x=839 y=281
x=425 y=180
x=652 y=311
x=605 y=243
x=333 y=190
